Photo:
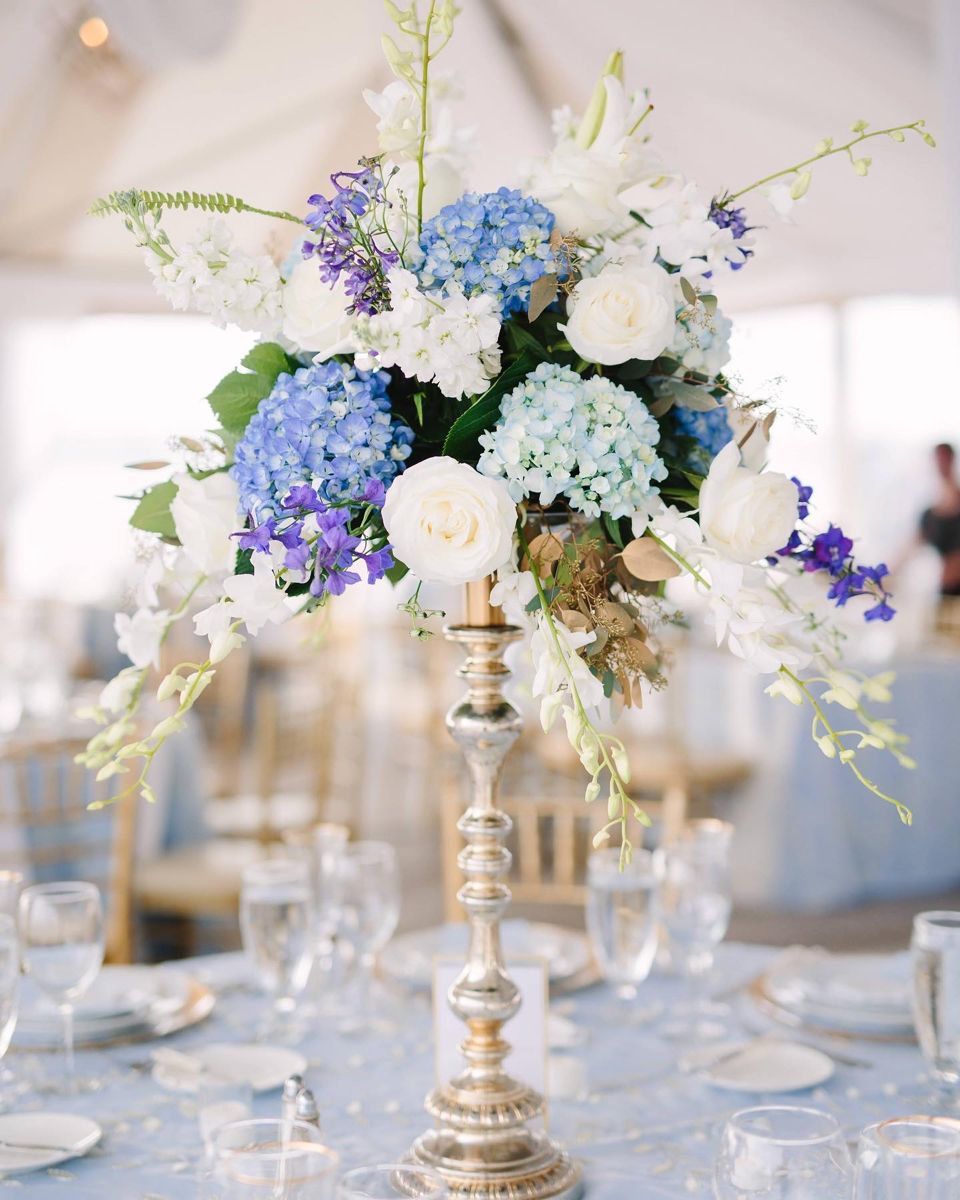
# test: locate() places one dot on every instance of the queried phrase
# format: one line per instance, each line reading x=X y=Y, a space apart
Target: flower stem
x=424 y=93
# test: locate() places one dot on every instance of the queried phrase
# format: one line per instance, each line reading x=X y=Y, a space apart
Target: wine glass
x=390 y=1180
x=935 y=951
x=782 y=1153
x=9 y=981
x=622 y=917
x=11 y=885
x=366 y=890
x=61 y=945
x=695 y=904
x=274 y=1159
x=276 y=924
x=909 y=1158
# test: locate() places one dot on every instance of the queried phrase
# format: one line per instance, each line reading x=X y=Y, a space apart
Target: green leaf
x=152 y=513
x=236 y=397
x=461 y=441
x=397 y=572
x=612 y=526
x=522 y=341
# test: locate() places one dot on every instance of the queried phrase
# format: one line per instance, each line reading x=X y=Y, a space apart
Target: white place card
x=526 y=1032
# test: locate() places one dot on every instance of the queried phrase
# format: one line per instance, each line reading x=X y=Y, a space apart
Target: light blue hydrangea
x=710 y=432
x=493 y=242
x=587 y=439
x=327 y=425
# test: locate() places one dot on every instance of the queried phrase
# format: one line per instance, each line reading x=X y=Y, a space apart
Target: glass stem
x=66 y=1012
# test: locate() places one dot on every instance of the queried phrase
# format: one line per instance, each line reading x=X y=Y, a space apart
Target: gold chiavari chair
x=48 y=833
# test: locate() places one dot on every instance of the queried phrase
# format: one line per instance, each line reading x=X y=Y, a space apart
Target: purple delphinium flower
x=734 y=219
x=304 y=498
x=359 y=262
x=803 y=509
x=257 y=538
x=828 y=551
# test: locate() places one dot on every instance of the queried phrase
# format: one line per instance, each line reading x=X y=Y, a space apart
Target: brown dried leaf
x=575 y=621
x=152 y=464
x=644 y=559
x=614 y=617
x=543 y=292
x=191 y=444
x=641 y=653
x=545 y=549
x=660 y=408
x=689 y=291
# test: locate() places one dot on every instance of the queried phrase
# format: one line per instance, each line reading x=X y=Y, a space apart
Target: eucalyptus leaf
x=688 y=395
x=153 y=464
x=689 y=291
x=543 y=292
x=645 y=560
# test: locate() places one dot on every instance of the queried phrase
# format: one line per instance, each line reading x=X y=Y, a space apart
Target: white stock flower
x=139 y=636
x=215 y=623
x=205 y=513
x=745 y=515
x=627 y=311
x=449 y=523
x=256 y=598
x=315 y=317
x=212 y=275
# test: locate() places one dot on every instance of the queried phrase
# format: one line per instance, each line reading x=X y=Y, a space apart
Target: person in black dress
x=940 y=524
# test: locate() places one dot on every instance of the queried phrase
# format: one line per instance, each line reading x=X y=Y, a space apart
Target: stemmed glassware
x=276 y=924
x=9 y=980
x=622 y=917
x=11 y=885
x=782 y=1153
x=365 y=898
x=61 y=946
x=935 y=950
x=695 y=904
x=272 y=1159
x=909 y=1158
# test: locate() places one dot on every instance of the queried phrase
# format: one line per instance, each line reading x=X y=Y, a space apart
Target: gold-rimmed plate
x=759 y=994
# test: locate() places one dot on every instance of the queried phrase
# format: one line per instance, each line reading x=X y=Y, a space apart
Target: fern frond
x=135 y=200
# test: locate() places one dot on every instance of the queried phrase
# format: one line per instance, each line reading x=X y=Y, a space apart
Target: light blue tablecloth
x=643 y=1130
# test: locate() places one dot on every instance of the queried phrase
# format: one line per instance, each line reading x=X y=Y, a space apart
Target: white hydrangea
x=702 y=343
x=212 y=275
x=451 y=340
x=589 y=439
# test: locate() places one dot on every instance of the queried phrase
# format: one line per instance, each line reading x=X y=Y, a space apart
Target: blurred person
x=940 y=523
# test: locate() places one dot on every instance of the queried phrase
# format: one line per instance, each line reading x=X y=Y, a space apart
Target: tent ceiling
x=261 y=98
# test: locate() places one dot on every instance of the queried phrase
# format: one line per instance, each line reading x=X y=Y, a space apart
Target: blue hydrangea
x=709 y=430
x=494 y=242
x=328 y=425
x=589 y=440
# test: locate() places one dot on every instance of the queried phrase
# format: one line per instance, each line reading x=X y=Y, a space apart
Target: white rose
x=627 y=311
x=315 y=313
x=744 y=515
x=205 y=513
x=449 y=523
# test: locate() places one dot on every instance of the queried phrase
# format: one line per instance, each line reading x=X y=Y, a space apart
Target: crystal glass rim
x=279 y=1137
x=607 y=862
x=880 y=1134
x=57 y=893
x=350 y=1179
x=739 y=1122
x=275 y=870
x=373 y=851
x=938 y=918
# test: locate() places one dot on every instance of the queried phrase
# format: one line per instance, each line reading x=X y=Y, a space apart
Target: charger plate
x=758 y=993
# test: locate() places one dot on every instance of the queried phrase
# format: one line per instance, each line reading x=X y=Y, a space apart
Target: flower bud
x=593 y=117
x=827 y=748
x=800 y=185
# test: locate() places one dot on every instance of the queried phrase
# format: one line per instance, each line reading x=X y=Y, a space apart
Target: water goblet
x=9 y=983
x=11 y=885
x=622 y=917
x=782 y=1153
x=366 y=890
x=276 y=924
x=909 y=1158
x=390 y=1180
x=61 y=947
x=273 y=1159
x=935 y=952
x=694 y=902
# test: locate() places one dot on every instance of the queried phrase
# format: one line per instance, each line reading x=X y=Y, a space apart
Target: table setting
x=820 y=1091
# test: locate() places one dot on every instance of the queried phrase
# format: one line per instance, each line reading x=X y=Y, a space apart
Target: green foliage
x=133 y=199
x=152 y=513
x=236 y=397
x=461 y=442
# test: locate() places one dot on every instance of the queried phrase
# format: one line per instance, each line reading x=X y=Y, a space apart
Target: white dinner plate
x=32 y=1141
x=120 y=1000
x=264 y=1068
x=760 y=1066
x=409 y=958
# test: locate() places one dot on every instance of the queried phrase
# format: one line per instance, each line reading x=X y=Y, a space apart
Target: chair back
x=48 y=833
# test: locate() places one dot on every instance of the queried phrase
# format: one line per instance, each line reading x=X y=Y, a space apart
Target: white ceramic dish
x=856 y=993
x=32 y=1141
x=264 y=1068
x=762 y=1066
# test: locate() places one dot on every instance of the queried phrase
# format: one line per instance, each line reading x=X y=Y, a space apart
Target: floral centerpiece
x=528 y=382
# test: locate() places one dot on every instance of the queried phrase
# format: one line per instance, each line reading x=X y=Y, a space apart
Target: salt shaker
x=292 y=1088
x=307 y=1108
